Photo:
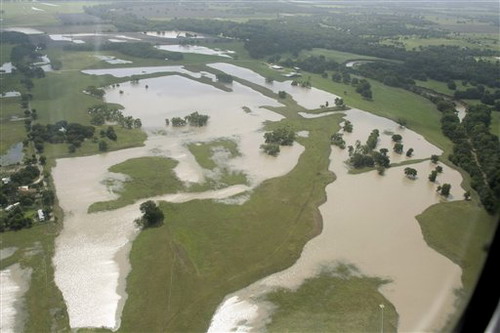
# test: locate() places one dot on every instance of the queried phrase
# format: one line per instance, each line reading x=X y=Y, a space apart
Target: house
x=41 y=215
x=276 y=67
x=11 y=207
x=6 y=180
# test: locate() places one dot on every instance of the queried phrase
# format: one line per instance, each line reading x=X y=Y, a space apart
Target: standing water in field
x=91 y=256
x=14 y=282
x=369 y=221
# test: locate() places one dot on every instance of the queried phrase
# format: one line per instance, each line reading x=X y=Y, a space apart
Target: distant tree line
x=475 y=149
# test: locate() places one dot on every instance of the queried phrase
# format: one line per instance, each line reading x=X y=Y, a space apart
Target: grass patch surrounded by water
x=203 y=152
x=149 y=176
x=459 y=230
x=333 y=302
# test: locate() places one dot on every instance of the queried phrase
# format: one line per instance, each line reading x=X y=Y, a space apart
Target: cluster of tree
x=338 y=140
x=481 y=93
x=24 y=176
x=152 y=215
x=441 y=63
x=364 y=156
x=102 y=113
x=193 y=119
x=344 y=77
x=363 y=87
x=283 y=136
x=61 y=132
x=196 y=119
x=223 y=77
x=15 y=220
x=94 y=91
x=475 y=150
x=313 y=64
x=303 y=83
x=434 y=173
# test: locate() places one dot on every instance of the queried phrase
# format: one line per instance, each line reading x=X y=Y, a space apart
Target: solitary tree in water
x=151 y=215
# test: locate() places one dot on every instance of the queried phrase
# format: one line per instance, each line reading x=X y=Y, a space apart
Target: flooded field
x=96 y=246
x=91 y=260
x=310 y=98
x=381 y=239
x=173 y=34
x=14 y=282
x=195 y=49
x=13 y=156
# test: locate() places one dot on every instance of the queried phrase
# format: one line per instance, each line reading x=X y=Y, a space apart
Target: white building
x=41 y=215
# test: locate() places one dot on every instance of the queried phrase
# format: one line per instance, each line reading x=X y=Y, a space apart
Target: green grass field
x=22 y=14
x=149 y=176
x=495 y=123
x=12 y=132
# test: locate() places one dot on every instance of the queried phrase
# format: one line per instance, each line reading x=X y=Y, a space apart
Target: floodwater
x=113 y=60
x=13 y=156
x=14 y=282
x=7 y=252
x=10 y=94
x=91 y=256
x=7 y=68
x=461 y=110
x=195 y=49
x=27 y=31
x=369 y=221
x=310 y=98
x=173 y=34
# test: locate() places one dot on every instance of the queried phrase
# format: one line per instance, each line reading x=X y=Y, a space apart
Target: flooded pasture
x=14 y=282
x=310 y=98
x=91 y=258
x=381 y=239
x=173 y=34
x=195 y=49
x=13 y=156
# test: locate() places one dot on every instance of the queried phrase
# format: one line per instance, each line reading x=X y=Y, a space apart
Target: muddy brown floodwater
x=369 y=221
x=91 y=256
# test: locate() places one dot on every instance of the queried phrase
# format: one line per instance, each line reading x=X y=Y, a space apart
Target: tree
x=467 y=195
x=339 y=102
x=347 y=126
x=272 y=149
x=282 y=94
x=445 y=190
x=397 y=138
x=137 y=123
x=178 y=122
x=434 y=158
x=110 y=133
x=439 y=169
x=398 y=148
x=433 y=175
x=196 y=119
x=103 y=146
x=410 y=173
x=384 y=151
x=151 y=215
x=452 y=85
x=409 y=153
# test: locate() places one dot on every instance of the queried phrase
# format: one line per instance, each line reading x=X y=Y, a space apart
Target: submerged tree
x=445 y=190
x=411 y=173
